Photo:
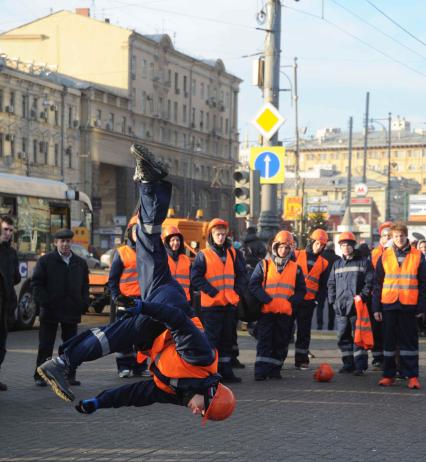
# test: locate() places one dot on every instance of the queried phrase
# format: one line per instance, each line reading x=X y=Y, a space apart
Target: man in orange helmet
x=124 y=287
x=399 y=297
x=184 y=364
x=315 y=271
x=384 y=242
x=279 y=284
x=179 y=262
x=219 y=273
x=350 y=275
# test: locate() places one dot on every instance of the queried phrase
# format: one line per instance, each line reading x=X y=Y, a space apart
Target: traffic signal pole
x=268 y=220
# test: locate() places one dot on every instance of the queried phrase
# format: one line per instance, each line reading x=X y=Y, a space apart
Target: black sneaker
x=55 y=373
x=236 y=364
x=231 y=379
x=147 y=167
x=3 y=386
x=73 y=381
x=346 y=370
x=359 y=373
x=259 y=377
x=275 y=375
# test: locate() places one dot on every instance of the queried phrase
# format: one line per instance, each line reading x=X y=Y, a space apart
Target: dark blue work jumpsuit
x=165 y=301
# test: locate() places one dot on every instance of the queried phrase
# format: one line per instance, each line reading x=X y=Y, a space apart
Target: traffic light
x=242 y=193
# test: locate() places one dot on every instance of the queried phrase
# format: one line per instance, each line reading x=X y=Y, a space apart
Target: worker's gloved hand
x=123 y=300
x=87 y=406
x=135 y=309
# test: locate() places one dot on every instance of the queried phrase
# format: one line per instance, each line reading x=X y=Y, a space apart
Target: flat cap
x=63 y=233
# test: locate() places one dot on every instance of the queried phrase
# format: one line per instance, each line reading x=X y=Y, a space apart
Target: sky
x=344 y=49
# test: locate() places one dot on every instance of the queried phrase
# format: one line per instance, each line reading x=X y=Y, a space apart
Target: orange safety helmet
x=217 y=222
x=170 y=231
x=222 y=405
x=319 y=235
x=347 y=236
x=324 y=373
x=284 y=237
x=386 y=224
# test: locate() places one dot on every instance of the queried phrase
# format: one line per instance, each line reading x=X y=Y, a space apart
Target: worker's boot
x=386 y=381
x=55 y=373
x=148 y=169
x=413 y=383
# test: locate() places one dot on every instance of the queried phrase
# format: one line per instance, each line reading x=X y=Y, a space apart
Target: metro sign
x=361 y=189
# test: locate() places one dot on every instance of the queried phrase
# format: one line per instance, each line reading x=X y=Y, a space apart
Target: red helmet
x=346 y=236
x=319 y=235
x=170 y=231
x=284 y=237
x=133 y=221
x=217 y=222
x=222 y=405
x=324 y=373
x=386 y=224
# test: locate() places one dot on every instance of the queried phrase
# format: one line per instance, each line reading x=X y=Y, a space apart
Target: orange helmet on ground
x=319 y=235
x=386 y=224
x=324 y=373
x=284 y=237
x=222 y=404
x=170 y=231
x=133 y=221
x=217 y=222
x=346 y=236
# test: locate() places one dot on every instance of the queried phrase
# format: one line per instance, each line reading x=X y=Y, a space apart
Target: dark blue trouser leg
x=219 y=325
x=377 y=328
x=345 y=341
x=303 y=314
x=121 y=335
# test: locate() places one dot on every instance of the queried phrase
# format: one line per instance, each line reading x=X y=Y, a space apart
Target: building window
x=123 y=125
x=175 y=138
x=110 y=124
x=151 y=70
x=193 y=117
x=185 y=85
x=193 y=87
x=201 y=119
x=35 y=143
x=175 y=111
x=34 y=109
x=202 y=90
x=227 y=126
x=207 y=121
x=24 y=106
x=12 y=99
x=184 y=113
x=169 y=78
x=133 y=67
x=56 y=115
x=24 y=146
x=144 y=72
x=69 y=154
x=56 y=160
x=176 y=83
x=169 y=109
x=69 y=116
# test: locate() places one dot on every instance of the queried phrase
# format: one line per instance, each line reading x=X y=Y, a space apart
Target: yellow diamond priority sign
x=268 y=120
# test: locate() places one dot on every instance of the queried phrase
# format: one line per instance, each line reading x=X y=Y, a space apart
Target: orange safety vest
x=312 y=278
x=280 y=287
x=129 y=285
x=180 y=271
x=400 y=282
x=363 y=334
x=172 y=367
x=376 y=254
x=220 y=276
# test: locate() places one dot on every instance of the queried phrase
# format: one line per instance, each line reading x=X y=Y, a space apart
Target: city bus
x=39 y=207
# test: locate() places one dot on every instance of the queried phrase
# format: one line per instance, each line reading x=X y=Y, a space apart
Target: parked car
x=82 y=252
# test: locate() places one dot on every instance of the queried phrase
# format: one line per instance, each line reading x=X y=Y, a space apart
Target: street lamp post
x=389 y=143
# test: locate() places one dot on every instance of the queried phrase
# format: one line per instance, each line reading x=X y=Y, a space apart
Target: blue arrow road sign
x=268 y=164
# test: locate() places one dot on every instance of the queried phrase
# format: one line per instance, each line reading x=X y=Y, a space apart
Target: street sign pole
x=268 y=220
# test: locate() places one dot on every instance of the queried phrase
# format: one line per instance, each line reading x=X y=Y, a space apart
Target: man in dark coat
x=61 y=288
x=254 y=249
x=9 y=276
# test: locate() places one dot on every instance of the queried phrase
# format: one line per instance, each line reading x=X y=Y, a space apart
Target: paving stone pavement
x=296 y=419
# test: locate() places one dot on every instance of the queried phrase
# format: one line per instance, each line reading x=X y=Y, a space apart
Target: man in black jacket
x=61 y=288
x=350 y=275
x=9 y=276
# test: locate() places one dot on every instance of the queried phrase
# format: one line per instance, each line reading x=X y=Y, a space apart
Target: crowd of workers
x=156 y=334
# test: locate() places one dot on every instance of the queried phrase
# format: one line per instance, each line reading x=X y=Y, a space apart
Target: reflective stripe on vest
x=376 y=254
x=168 y=366
x=129 y=284
x=312 y=277
x=400 y=282
x=180 y=271
x=222 y=277
x=280 y=287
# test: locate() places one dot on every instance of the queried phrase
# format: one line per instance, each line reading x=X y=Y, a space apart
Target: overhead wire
x=367 y=44
x=360 y=18
x=395 y=22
